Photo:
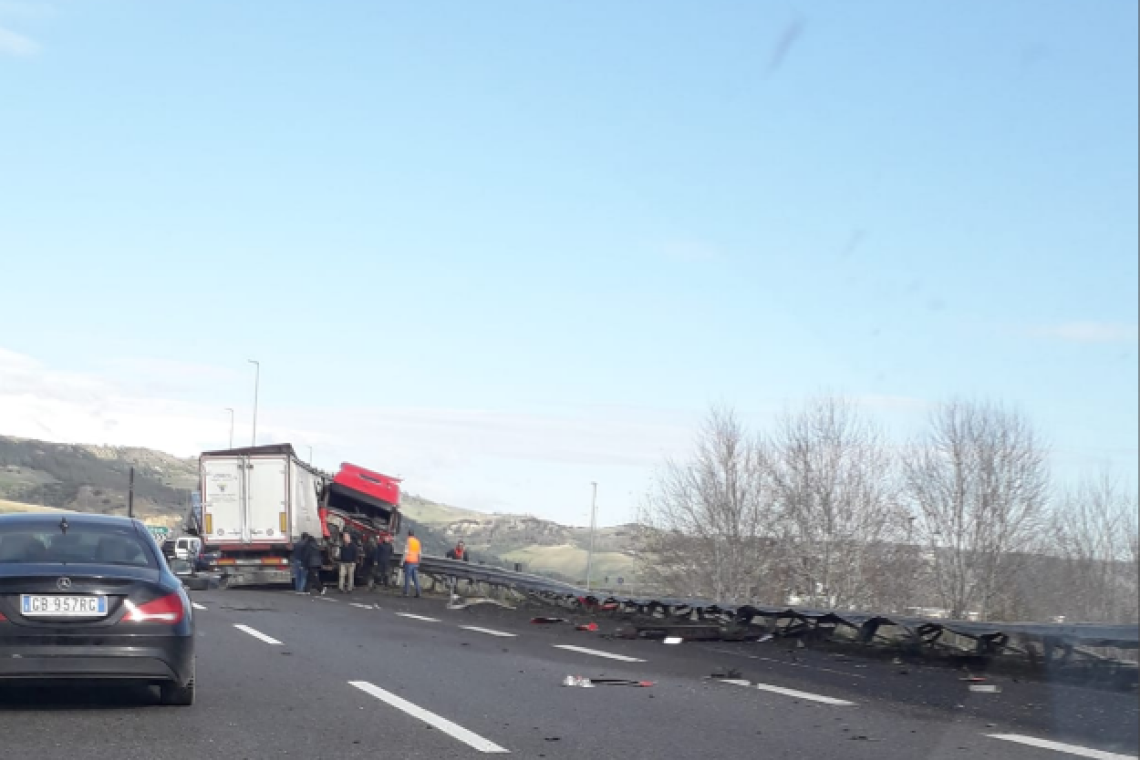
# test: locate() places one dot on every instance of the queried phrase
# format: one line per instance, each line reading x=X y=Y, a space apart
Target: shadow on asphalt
x=76 y=697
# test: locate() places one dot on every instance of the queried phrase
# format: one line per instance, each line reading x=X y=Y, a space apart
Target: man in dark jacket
x=314 y=559
x=301 y=564
x=349 y=555
x=383 y=560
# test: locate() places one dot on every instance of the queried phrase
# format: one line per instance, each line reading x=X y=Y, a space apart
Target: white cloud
x=15 y=44
x=1089 y=332
x=497 y=459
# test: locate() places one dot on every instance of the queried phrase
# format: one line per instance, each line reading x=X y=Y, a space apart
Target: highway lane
x=309 y=678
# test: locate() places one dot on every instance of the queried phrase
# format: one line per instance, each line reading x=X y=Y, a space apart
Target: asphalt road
x=281 y=675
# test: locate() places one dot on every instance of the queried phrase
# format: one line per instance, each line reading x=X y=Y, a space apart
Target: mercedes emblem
x=63 y=584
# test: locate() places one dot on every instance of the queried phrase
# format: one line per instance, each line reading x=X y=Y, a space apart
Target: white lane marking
x=257 y=634
x=808 y=696
x=358 y=605
x=596 y=653
x=785 y=662
x=197 y=606
x=489 y=632
x=417 y=617
x=1071 y=749
x=455 y=732
x=325 y=599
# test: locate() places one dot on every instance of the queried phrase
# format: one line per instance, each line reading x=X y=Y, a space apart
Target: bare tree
x=1094 y=529
x=834 y=482
x=706 y=525
x=979 y=482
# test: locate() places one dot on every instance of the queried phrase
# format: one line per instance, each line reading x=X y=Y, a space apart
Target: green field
x=15 y=507
x=570 y=561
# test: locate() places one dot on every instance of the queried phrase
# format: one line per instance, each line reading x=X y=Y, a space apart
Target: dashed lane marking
x=1070 y=749
x=489 y=632
x=410 y=616
x=360 y=606
x=258 y=635
x=805 y=695
x=596 y=653
x=451 y=729
x=197 y=606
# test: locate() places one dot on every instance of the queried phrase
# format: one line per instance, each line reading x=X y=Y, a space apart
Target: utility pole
x=231 y=411
x=131 y=494
x=256 y=389
x=593 y=533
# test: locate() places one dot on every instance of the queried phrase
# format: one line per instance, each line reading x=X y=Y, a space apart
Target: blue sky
x=507 y=248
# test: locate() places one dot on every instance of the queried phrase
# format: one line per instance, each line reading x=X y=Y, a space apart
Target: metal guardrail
x=991 y=637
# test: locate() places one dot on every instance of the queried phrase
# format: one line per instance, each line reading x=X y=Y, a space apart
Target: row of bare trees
x=823 y=510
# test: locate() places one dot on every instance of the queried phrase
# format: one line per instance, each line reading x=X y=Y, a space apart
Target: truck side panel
x=306 y=517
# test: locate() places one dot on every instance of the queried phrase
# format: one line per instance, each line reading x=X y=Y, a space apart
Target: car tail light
x=169 y=610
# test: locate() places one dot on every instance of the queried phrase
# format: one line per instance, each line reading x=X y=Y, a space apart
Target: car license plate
x=63 y=606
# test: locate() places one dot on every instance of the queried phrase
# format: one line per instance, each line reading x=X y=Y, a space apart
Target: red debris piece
x=589 y=628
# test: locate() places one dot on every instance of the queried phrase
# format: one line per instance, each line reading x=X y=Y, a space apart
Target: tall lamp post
x=231 y=411
x=256 y=388
x=593 y=533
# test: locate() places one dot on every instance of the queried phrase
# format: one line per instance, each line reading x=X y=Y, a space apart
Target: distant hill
x=540 y=545
x=87 y=478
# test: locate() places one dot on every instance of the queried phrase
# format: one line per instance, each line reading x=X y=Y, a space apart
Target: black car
x=90 y=597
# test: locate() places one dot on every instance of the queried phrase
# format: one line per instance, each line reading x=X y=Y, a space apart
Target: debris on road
x=577 y=681
x=674 y=640
x=985 y=688
x=622 y=682
x=730 y=673
x=588 y=628
x=548 y=621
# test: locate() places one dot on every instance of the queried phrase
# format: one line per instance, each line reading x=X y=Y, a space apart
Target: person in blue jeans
x=301 y=564
x=412 y=554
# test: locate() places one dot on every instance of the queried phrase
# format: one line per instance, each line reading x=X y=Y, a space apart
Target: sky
x=504 y=249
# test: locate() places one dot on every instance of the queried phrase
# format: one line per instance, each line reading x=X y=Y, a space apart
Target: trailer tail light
x=169 y=610
x=284 y=521
x=227 y=562
x=209 y=525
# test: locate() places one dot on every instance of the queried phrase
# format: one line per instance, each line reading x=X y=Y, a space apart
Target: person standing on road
x=384 y=551
x=413 y=552
x=315 y=561
x=301 y=564
x=349 y=554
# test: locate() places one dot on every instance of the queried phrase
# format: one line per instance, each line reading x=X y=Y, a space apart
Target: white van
x=187 y=547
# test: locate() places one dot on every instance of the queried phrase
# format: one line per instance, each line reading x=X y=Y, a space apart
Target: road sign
x=159 y=532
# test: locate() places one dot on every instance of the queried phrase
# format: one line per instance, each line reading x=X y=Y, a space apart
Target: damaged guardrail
x=1045 y=643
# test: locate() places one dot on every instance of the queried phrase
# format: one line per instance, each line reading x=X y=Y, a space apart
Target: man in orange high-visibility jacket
x=412 y=555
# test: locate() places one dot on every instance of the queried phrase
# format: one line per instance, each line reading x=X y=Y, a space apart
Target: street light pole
x=310 y=454
x=231 y=411
x=256 y=388
x=593 y=533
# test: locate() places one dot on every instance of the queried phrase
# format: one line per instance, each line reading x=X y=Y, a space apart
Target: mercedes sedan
x=90 y=597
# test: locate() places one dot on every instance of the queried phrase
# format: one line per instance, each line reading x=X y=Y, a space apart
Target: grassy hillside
x=540 y=545
x=95 y=478
x=15 y=507
x=38 y=474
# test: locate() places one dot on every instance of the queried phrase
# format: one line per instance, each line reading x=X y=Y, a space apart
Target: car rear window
x=80 y=544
